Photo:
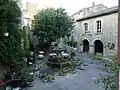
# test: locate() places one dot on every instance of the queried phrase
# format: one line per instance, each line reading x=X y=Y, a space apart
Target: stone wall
x=108 y=35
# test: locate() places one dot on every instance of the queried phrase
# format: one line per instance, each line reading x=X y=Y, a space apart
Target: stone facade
x=102 y=42
x=81 y=14
x=29 y=10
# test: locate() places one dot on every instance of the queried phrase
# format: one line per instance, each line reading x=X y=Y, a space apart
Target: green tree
x=10 y=21
x=50 y=24
x=11 y=50
x=25 y=42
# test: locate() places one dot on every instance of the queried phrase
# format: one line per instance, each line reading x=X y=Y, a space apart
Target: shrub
x=96 y=58
x=109 y=81
x=48 y=78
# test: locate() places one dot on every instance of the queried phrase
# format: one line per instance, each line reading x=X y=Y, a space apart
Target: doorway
x=85 y=45
x=98 y=46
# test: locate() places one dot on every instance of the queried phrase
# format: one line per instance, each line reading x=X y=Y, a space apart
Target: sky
x=71 y=6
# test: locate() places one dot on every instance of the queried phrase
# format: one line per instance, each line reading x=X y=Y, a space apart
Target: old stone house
x=84 y=12
x=97 y=32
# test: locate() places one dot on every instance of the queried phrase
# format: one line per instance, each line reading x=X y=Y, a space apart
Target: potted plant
x=48 y=78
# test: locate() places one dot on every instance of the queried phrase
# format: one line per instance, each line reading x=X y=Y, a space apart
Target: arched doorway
x=85 y=45
x=98 y=47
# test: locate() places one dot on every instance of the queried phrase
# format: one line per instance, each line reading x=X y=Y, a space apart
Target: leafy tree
x=50 y=24
x=25 y=41
x=10 y=20
x=11 y=50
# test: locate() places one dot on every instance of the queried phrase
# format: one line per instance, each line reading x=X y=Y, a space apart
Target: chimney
x=93 y=4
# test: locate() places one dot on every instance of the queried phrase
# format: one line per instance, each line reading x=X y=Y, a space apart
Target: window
x=86 y=27
x=98 y=23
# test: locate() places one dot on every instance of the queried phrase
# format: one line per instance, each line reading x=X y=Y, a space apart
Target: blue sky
x=71 y=6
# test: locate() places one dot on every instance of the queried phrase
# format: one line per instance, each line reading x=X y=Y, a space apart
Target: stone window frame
x=98 y=30
x=98 y=26
x=84 y=27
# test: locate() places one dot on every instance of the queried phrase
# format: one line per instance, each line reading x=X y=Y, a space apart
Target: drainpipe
x=118 y=46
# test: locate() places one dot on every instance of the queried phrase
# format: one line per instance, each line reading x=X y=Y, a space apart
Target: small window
x=98 y=24
x=86 y=27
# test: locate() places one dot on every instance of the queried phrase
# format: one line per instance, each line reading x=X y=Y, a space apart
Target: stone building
x=29 y=10
x=84 y=12
x=97 y=31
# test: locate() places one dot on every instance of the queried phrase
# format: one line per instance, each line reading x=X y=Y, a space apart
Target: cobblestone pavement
x=82 y=80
